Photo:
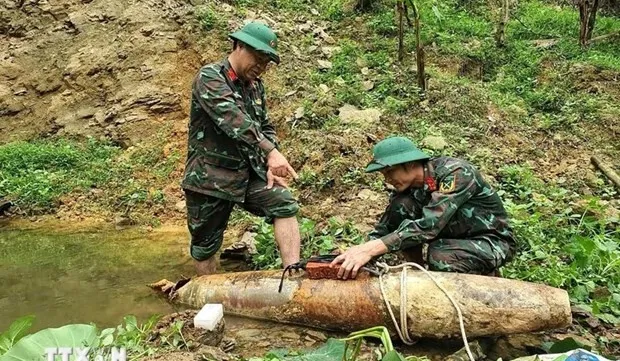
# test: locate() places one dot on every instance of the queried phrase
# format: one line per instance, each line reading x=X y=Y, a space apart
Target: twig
x=603 y=37
x=607 y=170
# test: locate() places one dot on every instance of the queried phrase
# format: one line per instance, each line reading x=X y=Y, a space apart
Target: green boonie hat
x=259 y=37
x=393 y=151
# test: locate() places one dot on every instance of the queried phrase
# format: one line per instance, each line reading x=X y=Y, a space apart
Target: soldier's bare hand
x=279 y=165
x=274 y=179
x=356 y=257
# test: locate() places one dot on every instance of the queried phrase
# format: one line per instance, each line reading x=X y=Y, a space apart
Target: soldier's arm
x=217 y=99
x=436 y=214
x=268 y=129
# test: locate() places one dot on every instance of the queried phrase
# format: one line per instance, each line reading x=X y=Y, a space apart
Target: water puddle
x=67 y=276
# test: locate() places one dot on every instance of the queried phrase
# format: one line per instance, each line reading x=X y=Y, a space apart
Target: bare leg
x=206 y=267
x=288 y=238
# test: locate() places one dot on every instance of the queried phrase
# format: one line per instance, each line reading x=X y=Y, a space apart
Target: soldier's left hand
x=275 y=180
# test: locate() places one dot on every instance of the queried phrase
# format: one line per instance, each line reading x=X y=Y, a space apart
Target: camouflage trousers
x=483 y=254
x=207 y=216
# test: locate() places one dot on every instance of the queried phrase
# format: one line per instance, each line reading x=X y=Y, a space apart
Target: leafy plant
x=333 y=234
x=32 y=347
x=17 y=330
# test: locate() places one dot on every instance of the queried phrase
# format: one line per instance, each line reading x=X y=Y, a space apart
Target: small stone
x=85 y=113
x=365 y=71
x=291 y=93
x=296 y=51
x=227 y=7
x=325 y=64
x=367 y=194
x=368 y=85
x=290 y=335
x=249 y=333
x=304 y=28
x=324 y=88
x=121 y=222
x=435 y=142
x=320 y=336
x=350 y=114
x=180 y=206
x=361 y=62
x=20 y=91
x=312 y=48
x=66 y=93
x=314 y=11
x=299 y=113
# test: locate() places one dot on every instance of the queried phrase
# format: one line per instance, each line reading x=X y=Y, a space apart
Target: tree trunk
x=592 y=19
x=500 y=35
x=419 y=49
x=587 y=19
x=401 y=10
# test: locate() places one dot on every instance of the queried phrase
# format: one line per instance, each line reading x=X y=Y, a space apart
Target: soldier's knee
x=283 y=205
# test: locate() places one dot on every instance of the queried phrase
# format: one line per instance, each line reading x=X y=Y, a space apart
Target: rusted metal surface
x=491 y=306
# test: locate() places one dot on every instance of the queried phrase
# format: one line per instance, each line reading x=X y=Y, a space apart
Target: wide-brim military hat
x=259 y=37
x=393 y=151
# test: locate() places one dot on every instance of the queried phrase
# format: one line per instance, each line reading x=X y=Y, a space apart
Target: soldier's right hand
x=279 y=166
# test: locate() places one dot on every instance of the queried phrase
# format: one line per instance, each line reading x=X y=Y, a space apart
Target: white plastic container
x=209 y=316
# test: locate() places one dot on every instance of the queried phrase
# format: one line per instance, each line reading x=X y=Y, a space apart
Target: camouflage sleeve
x=454 y=190
x=381 y=228
x=217 y=99
x=268 y=129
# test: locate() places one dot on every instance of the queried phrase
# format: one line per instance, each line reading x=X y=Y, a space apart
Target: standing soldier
x=233 y=155
x=443 y=202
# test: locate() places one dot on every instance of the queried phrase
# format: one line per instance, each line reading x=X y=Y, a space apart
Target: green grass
x=564 y=241
x=38 y=174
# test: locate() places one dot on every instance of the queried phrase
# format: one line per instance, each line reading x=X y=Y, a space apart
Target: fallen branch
x=603 y=37
x=607 y=170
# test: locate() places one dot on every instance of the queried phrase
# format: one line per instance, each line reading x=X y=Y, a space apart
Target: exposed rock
x=299 y=113
x=434 y=142
x=325 y=64
x=122 y=222
x=180 y=206
x=365 y=71
x=47 y=86
x=368 y=194
x=324 y=88
x=368 y=85
x=350 y=114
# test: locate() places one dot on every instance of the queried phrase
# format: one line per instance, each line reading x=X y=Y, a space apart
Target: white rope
x=404 y=333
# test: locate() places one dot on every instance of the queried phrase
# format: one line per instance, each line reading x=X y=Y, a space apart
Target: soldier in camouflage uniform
x=443 y=202
x=233 y=155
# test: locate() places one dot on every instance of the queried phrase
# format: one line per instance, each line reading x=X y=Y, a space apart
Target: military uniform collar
x=232 y=74
x=430 y=183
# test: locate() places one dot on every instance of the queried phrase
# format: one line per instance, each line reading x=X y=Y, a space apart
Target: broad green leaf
x=16 y=331
x=609 y=318
x=392 y=355
x=332 y=350
x=32 y=348
x=131 y=323
x=567 y=344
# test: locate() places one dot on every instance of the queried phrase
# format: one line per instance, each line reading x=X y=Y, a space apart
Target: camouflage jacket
x=229 y=133
x=455 y=203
